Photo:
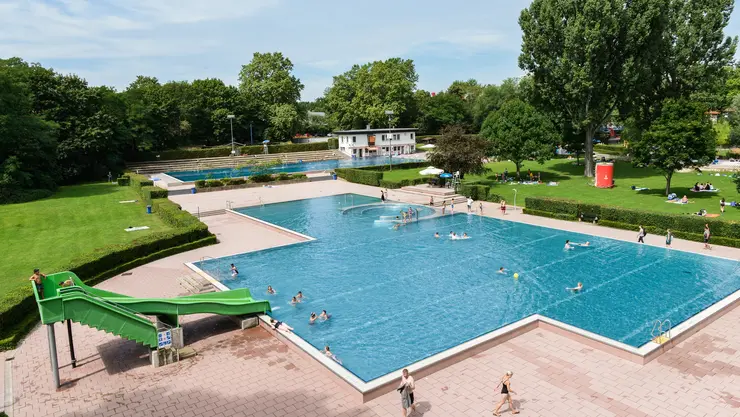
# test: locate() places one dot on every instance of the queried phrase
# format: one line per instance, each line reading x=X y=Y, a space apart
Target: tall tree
x=363 y=94
x=457 y=152
x=518 y=132
x=682 y=137
x=284 y=122
x=27 y=144
x=577 y=53
x=442 y=110
x=492 y=97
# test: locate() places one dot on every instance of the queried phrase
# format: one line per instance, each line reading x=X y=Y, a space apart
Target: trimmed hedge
x=261 y=178
x=124 y=180
x=14 y=196
x=360 y=176
x=404 y=165
x=138 y=181
x=683 y=226
x=193 y=153
x=188 y=233
x=611 y=149
x=403 y=183
x=475 y=191
x=333 y=143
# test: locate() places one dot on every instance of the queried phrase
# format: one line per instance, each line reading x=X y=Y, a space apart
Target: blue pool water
x=187 y=176
x=399 y=296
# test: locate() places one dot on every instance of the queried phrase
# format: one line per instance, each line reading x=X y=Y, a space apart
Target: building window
x=382 y=137
x=354 y=139
x=412 y=135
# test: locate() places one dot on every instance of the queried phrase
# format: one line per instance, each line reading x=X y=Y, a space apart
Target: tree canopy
x=456 y=151
x=681 y=137
x=518 y=132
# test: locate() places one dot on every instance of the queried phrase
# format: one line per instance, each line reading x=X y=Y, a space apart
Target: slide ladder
x=661 y=332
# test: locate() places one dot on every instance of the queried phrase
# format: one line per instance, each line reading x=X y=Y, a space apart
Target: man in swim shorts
x=37 y=280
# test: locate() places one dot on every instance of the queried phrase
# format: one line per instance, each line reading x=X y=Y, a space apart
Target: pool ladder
x=661 y=332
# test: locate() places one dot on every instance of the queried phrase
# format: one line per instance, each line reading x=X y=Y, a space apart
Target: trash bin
x=334 y=176
x=149 y=209
x=192 y=190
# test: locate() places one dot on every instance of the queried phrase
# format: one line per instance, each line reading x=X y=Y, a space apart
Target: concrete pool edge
x=366 y=391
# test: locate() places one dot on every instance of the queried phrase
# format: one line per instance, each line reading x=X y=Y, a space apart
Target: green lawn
x=574 y=186
x=49 y=233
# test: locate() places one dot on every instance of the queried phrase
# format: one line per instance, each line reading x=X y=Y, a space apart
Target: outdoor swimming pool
x=216 y=173
x=399 y=296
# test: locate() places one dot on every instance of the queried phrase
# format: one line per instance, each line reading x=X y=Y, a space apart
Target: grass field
x=49 y=233
x=573 y=185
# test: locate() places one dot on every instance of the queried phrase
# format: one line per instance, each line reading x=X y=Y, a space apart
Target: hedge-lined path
x=249 y=373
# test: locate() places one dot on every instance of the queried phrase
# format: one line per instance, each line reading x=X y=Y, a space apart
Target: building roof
x=379 y=130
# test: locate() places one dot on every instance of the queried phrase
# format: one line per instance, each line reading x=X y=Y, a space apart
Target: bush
x=233 y=181
x=559 y=216
x=137 y=181
x=611 y=149
x=214 y=183
x=683 y=226
x=286 y=147
x=261 y=178
x=13 y=196
x=284 y=176
x=333 y=143
x=155 y=192
x=494 y=198
x=360 y=176
x=124 y=180
x=298 y=176
x=475 y=191
x=404 y=165
x=200 y=183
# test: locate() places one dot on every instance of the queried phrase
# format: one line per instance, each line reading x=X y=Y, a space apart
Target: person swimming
x=452 y=234
x=312 y=318
x=465 y=236
x=576 y=288
x=436 y=235
x=295 y=301
x=501 y=270
x=331 y=355
x=270 y=290
x=299 y=295
x=567 y=245
x=587 y=244
x=396 y=226
x=324 y=315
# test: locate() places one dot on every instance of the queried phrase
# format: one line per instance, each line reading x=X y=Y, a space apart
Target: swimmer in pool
x=585 y=245
x=324 y=316
x=396 y=226
x=501 y=270
x=567 y=245
x=329 y=354
x=452 y=234
x=299 y=295
x=313 y=318
x=295 y=301
x=436 y=235
x=465 y=236
x=576 y=288
x=270 y=290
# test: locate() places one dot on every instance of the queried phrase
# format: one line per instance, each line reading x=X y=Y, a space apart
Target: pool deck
x=252 y=373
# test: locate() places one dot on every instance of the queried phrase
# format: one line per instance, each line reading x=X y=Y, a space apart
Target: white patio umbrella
x=428 y=146
x=431 y=171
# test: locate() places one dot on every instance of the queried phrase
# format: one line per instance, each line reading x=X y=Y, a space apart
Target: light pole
x=231 y=122
x=251 y=139
x=514 y=199
x=389 y=113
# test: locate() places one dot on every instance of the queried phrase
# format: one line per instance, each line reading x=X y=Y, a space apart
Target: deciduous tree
x=456 y=151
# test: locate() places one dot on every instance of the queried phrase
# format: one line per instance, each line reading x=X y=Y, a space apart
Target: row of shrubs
x=192 y=153
x=258 y=178
x=16 y=196
x=373 y=175
x=188 y=233
x=687 y=227
x=143 y=185
x=611 y=149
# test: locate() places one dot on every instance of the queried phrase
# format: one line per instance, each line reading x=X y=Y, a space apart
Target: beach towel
x=640 y=188
x=133 y=229
x=128 y=201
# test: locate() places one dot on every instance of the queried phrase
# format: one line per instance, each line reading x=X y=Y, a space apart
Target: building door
x=360 y=153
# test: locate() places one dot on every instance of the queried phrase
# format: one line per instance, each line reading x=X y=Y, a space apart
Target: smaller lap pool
x=217 y=173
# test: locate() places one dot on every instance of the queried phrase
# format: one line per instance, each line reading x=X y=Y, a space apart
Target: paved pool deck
x=251 y=373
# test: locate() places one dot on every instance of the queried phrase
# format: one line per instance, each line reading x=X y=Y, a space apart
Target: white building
x=377 y=142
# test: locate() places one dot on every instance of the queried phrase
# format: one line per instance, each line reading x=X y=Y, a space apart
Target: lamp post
x=251 y=139
x=231 y=122
x=514 y=189
x=389 y=113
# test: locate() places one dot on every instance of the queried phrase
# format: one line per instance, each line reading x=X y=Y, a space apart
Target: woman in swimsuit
x=506 y=392
x=270 y=290
x=313 y=318
x=503 y=207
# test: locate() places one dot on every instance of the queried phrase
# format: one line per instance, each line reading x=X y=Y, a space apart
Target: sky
x=110 y=42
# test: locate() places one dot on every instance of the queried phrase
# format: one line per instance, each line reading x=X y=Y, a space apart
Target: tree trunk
x=518 y=168
x=668 y=177
x=588 y=153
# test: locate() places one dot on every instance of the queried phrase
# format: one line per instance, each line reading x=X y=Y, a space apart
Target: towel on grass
x=640 y=188
x=133 y=229
x=128 y=201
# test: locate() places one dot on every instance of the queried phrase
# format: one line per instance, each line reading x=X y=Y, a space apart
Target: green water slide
x=126 y=316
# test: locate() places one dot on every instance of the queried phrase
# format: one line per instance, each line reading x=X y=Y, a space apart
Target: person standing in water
x=506 y=392
x=444 y=206
x=234 y=271
x=382 y=196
